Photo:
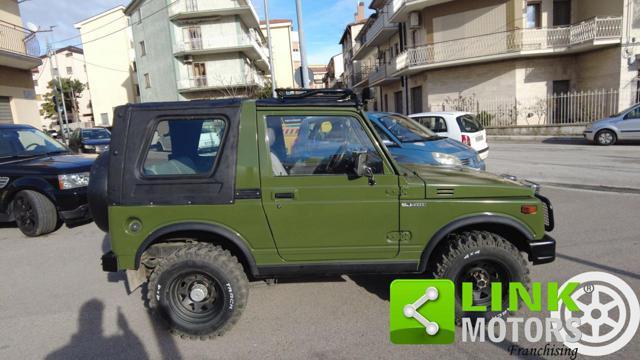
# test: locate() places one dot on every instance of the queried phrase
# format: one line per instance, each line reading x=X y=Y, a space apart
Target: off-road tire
x=465 y=250
x=34 y=213
x=227 y=279
x=601 y=142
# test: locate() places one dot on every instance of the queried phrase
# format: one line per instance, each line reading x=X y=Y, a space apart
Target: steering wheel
x=35 y=145
x=339 y=157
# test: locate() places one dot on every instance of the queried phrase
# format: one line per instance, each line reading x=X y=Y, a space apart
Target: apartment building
x=68 y=63
x=197 y=49
x=333 y=78
x=433 y=53
x=283 y=39
x=110 y=63
x=19 y=53
x=352 y=67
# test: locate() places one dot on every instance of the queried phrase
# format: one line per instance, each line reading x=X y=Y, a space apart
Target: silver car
x=624 y=125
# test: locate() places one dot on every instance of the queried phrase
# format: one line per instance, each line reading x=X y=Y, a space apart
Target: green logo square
x=422 y=312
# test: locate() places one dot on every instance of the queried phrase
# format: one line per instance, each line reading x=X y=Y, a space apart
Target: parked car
x=42 y=184
x=196 y=226
x=624 y=125
x=90 y=141
x=410 y=142
x=457 y=125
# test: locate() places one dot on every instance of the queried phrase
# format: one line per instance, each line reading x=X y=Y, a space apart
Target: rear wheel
x=481 y=258
x=605 y=137
x=34 y=213
x=199 y=291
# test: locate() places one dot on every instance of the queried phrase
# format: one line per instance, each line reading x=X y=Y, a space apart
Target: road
x=55 y=302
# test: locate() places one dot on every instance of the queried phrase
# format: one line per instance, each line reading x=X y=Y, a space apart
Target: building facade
x=282 y=35
x=335 y=69
x=19 y=53
x=68 y=63
x=352 y=67
x=197 y=49
x=111 y=73
x=522 y=59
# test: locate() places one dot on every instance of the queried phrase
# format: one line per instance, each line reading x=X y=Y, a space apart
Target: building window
x=397 y=102
x=55 y=71
x=104 y=118
x=533 y=15
x=135 y=67
x=137 y=90
x=386 y=102
x=69 y=70
x=69 y=54
x=35 y=82
x=143 y=49
x=147 y=81
x=561 y=12
x=416 y=100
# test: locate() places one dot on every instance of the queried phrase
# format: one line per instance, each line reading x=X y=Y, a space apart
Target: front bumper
x=588 y=135
x=543 y=251
x=77 y=217
x=484 y=154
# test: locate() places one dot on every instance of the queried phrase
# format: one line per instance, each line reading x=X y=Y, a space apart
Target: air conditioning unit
x=414 y=20
x=188 y=59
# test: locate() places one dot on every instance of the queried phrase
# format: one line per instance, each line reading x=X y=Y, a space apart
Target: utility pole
x=274 y=85
x=304 y=71
x=64 y=121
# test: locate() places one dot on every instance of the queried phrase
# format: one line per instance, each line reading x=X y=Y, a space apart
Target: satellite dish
x=33 y=27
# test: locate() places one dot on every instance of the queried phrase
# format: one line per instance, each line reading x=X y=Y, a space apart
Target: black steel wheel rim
x=25 y=214
x=189 y=307
x=481 y=274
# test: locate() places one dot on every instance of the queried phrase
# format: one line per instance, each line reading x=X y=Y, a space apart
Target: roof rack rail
x=338 y=95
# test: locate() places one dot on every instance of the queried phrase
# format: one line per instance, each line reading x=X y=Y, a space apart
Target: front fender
x=26 y=183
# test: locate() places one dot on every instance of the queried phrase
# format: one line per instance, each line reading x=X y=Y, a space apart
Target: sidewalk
x=577 y=140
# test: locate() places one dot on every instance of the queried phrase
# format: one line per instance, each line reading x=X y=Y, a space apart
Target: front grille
x=3 y=182
x=466 y=162
x=547 y=208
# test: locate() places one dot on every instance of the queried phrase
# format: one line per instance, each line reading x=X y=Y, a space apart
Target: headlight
x=89 y=147
x=72 y=181
x=446 y=159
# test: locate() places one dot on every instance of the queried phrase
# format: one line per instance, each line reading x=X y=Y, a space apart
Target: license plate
x=479 y=138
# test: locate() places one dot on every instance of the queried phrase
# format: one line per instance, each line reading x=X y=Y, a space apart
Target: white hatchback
x=457 y=125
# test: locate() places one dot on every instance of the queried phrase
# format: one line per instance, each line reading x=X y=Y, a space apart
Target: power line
x=89 y=31
x=100 y=66
x=44 y=64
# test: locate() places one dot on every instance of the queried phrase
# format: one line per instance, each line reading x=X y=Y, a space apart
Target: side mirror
x=361 y=168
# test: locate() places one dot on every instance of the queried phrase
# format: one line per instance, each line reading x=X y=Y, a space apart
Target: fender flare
x=27 y=183
x=487 y=218
x=214 y=229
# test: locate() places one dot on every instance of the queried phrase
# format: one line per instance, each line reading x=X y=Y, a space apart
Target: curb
x=539 y=138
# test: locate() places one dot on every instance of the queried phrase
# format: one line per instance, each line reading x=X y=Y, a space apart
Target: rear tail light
x=466 y=140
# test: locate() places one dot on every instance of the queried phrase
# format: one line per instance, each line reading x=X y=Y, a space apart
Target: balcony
x=360 y=78
x=184 y=10
x=221 y=82
x=382 y=74
x=379 y=32
x=400 y=9
x=585 y=36
x=19 y=47
x=243 y=43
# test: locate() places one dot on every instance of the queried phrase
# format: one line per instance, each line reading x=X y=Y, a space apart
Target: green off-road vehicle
x=199 y=197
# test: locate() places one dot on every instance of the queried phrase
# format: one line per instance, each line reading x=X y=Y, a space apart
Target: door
x=199 y=74
x=630 y=125
x=193 y=37
x=416 y=100
x=5 y=110
x=397 y=102
x=318 y=210
x=561 y=12
x=560 y=98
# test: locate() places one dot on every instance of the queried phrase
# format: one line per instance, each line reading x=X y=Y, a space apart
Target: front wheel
x=605 y=137
x=34 y=213
x=481 y=258
x=199 y=291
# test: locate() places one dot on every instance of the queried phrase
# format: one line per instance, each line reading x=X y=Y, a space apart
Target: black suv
x=42 y=184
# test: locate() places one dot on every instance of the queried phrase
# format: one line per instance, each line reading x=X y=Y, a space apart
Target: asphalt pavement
x=56 y=303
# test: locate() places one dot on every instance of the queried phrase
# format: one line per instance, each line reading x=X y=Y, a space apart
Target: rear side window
x=468 y=123
x=433 y=123
x=184 y=147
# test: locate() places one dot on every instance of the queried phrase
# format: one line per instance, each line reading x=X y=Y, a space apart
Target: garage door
x=5 y=110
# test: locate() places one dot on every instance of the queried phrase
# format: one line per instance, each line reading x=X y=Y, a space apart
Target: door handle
x=284 y=195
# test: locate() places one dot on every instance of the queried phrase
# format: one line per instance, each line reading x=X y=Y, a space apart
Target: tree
x=72 y=90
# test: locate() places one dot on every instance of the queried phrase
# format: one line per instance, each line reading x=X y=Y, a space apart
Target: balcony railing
x=521 y=41
x=18 y=40
x=221 y=42
x=187 y=7
x=380 y=73
x=221 y=82
x=381 y=23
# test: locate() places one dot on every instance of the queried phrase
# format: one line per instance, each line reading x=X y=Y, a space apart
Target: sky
x=324 y=20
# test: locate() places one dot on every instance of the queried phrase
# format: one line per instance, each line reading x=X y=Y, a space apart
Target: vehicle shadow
x=565 y=141
x=8 y=225
x=379 y=284
x=89 y=341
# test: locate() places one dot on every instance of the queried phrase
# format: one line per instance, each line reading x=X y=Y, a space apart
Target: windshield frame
x=408 y=125
x=52 y=146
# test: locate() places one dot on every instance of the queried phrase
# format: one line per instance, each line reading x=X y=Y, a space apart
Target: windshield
x=405 y=129
x=624 y=111
x=96 y=134
x=27 y=142
x=468 y=123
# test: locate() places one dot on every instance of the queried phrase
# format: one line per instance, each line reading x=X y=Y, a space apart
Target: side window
x=318 y=145
x=184 y=147
x=633 y=114
x=433 y=123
